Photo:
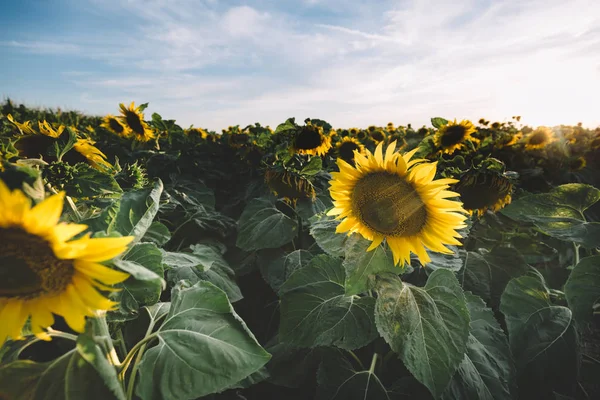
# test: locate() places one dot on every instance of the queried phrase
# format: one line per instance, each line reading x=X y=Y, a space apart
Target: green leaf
x=559 y=213
x=476 y=275
x=89 y=182
x=322 y=229
x=428 y=327
x=289 y=124
x=203 y=343
x=339 y=380
x=487 y=372
x=438 y=122
x=291 y=366
x=307 y=208
x=143 y=288
x=157 y=233
x=204 y=263
x=137 y=210
x=361 y=266
x=542 y=335
x=82 y=373
x=190 y=195
x=313 y=167
x=316 y=312
x=278 y=269
x=262 y=226
x=582 y=289
x=452 y=262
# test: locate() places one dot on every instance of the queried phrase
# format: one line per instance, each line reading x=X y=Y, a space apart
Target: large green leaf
x=263 y=226
x=203 y=347
x=291 y=366
x=157 y=233
x=428 y=327
x=559 y=213
x=362 y=266
x=487 y=371
x=582 y=289
x=338 y=379
x=204 y=263
x=542 y=336
x=322 y=229
x=144 y=286
x=82 y=373
x=136 y=212
x=315 y=311
x=280 y=266
x=476 y=275
x=453 y=262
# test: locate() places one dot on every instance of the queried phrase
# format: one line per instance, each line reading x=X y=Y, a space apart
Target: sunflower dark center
x=115 y=125
x=239 y=138
x=453 y=135
x=482 y=191
x=134 y=121
x=389 y=205
x=28 y=266
x=377 y=135
x=538 y=138
x=346 y=151
x=308 y=139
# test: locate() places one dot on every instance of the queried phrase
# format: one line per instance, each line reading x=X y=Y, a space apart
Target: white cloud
x=205 y=63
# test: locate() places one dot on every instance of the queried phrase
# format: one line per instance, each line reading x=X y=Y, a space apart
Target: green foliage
x=582 y=289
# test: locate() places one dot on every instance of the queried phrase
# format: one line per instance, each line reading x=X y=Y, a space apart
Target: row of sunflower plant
x=140 y=259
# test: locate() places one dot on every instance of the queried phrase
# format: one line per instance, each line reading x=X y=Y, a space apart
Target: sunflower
x=452 y=136
x=377 y=135
x=25 y=127
x=289 y=185
x=353 y=132
x=389 y=197
x=112 y=124
x=346 y=148
x=390 y=127
x=577 y=164
x=310 y=139
x=199 y=132
x=237 y=138
x=509 y=140
x=539 y=138
x=43 y=272
x=48 y=130
x=484 y=190
x=133 y=119
x=93 y=156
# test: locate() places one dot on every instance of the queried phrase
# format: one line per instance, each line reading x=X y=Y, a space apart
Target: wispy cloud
x=214 y=64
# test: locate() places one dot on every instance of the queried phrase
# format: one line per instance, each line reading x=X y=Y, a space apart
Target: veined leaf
x=582 y=290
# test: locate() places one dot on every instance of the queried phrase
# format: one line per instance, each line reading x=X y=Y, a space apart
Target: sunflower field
x=144 y=260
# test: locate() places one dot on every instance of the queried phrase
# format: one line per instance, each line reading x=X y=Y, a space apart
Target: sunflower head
x=238 y=138
x=390 y=127
x=49 y=130
x=24 y=128
x=395 y=198
x=132 y=176
x=353 y=132
x=310 y=139
x=484 y=189
x=133 y=118
x=509 y=139
x=577 y=164
x=196 y=132
x=91 y=154
x=115 y=126
x=44 y=272
x=539 y=138
x=377 y=135
x=453 y=135
x=289 y=185
x=346 y=148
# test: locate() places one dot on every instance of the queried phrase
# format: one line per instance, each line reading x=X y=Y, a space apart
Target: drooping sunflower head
x=539 y=138
x=196 y=132
x=92 y=155
x=346 y=148
x=48 y=130
x=577 y=164
x=114 y=125
x=24 y=127
x=377 y=135
x=132 y=118
x=484 y=189
x=395 y=198
x=43 y=272
x=287 y=184
x=509 y=139
x=310 y=139
x=390 y=127
x=453 y=135
x=238 y=138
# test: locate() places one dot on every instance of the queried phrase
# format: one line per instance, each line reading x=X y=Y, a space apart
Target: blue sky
x=216 y=63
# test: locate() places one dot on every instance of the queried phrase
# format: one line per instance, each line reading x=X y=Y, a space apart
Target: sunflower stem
x=101 y=329
x=62 y=335
x=575 y=254
x=121 y=343
x=356 y=359
x=373 y=363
